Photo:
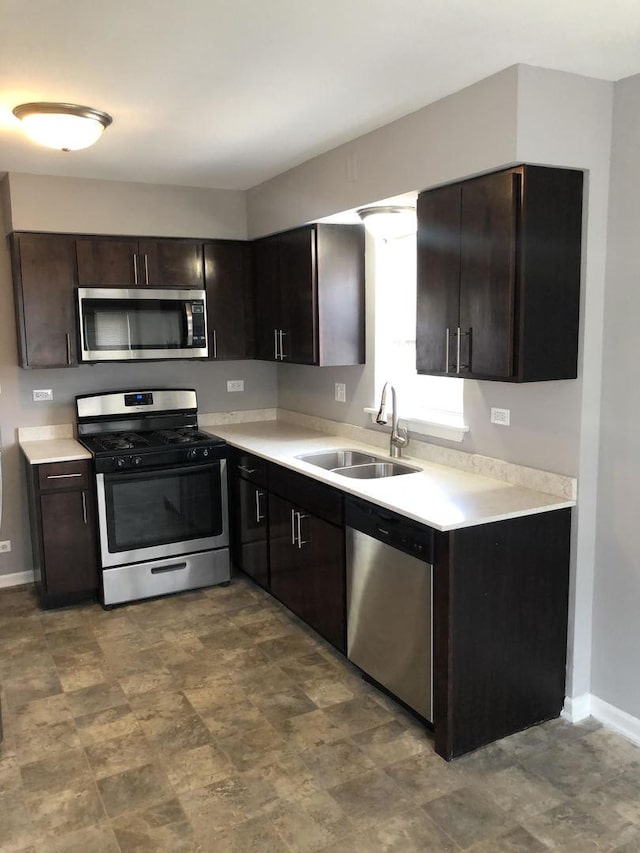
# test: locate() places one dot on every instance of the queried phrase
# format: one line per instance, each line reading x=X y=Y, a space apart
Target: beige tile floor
x=214 y=721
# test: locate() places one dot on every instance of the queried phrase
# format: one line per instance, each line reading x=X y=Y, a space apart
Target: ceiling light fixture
x=389 y=221
x=67 y=127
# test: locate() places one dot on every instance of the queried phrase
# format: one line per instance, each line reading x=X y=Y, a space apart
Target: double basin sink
x=356 y=464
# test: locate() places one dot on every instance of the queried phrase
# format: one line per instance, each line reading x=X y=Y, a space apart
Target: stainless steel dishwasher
x=390 y=602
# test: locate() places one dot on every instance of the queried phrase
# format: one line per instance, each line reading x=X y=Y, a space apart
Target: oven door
x=152 y=514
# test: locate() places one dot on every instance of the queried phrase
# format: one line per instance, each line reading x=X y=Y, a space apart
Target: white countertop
x=53 y=450
x=444 y=498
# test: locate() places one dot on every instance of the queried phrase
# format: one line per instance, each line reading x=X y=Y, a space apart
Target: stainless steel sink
x=332 y=459
x=356 y=464
x=375 y=470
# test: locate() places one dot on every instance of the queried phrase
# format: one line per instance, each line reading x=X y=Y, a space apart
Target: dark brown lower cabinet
x=307 y=568
x=63 y=532
x=252 y=531
x=500 y=628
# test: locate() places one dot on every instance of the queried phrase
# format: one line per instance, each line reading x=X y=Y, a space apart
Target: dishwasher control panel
x=390 y=527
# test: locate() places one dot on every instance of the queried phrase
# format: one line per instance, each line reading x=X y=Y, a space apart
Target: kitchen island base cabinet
x=63 y=532
x=501 y=604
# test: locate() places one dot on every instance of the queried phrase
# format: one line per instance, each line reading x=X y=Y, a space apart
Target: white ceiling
x=228 y=93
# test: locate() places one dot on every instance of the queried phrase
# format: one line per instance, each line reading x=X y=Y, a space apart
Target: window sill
x=446 y=428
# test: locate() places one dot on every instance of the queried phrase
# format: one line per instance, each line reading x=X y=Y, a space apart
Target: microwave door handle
x=188 y=313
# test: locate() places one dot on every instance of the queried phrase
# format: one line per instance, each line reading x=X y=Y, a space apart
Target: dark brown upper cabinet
x=144 y=262
x=498 y=282
x=309 y=295
x=44 y=279
x=228 y=279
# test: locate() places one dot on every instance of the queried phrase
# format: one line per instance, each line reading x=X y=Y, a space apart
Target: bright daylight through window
x=423 y=401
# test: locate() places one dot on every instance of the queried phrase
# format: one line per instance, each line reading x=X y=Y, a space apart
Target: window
x=427 y=404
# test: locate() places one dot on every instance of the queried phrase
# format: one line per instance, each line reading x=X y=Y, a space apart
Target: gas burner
x=122 y=441
x=184 y=435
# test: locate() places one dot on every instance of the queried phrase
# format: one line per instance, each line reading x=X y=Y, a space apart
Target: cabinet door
x=68 y=525
x=321 y=561
x=266 y=259
x=252 y=545
x=286 y=582
x=108 y=263
x=307 y=568
x=438 y=279
x=487 y=274
x=298 y=296
x=171 y=263
x=229 y=299
x=44 y=278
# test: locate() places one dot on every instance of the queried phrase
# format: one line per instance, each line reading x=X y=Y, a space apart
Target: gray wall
x=616 y=604
x=76 y=205
x=522 y=114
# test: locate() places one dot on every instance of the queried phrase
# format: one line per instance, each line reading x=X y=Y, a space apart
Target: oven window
x=157 y=507
x=130 y=325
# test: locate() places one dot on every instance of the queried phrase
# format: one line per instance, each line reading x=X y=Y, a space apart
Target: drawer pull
x=174 y=567
x=247 y=470
x=61 y=476
x=84 y=507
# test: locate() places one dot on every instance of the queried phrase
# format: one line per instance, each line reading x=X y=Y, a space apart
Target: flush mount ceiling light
x=389 y=221
x=67 y=127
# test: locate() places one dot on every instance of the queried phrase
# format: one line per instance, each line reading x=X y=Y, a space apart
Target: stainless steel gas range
x=161 y=487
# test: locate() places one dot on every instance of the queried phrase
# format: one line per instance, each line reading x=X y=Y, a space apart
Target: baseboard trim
x=577 y=709
x=16 y=579
x=580 y=707
x=616 y=719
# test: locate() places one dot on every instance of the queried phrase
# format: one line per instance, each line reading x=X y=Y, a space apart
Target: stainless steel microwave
x=141 y=323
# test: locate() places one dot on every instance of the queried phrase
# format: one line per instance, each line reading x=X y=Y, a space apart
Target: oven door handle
x=160 y=471
x=174 y=567
x=188 y=313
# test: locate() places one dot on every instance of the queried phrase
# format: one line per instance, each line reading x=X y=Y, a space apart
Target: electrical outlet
x=235 y=385
x=5 y=547
x=500 y=416
x=42 y=394
x=341 y=392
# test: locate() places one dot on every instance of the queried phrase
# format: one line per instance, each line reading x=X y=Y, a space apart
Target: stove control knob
x=121 y=462
x=192 y=454
x=136 y=460
x=205 y=452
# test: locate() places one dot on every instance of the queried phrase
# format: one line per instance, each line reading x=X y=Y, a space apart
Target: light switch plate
x=42 y=394
x=341 y=392
x=235 y=385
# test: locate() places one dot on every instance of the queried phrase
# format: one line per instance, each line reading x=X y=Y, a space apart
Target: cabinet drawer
x=315 y=497
x=246 y=465
x=64 y=475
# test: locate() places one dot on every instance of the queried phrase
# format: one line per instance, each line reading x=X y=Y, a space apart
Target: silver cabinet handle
x=62 y=476
x=275 y=343
x=135 y=268
x=146 y=269
x=293 y=527
x=446 y=350
x=259 y=516
x=458 y=350
x=84 y=507
x=215 y=344
x=301 y=541
x=282 y=355
x=68 y=342
x=246 y=470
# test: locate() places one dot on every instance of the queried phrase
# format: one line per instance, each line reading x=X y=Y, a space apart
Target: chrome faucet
x=399 y=438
